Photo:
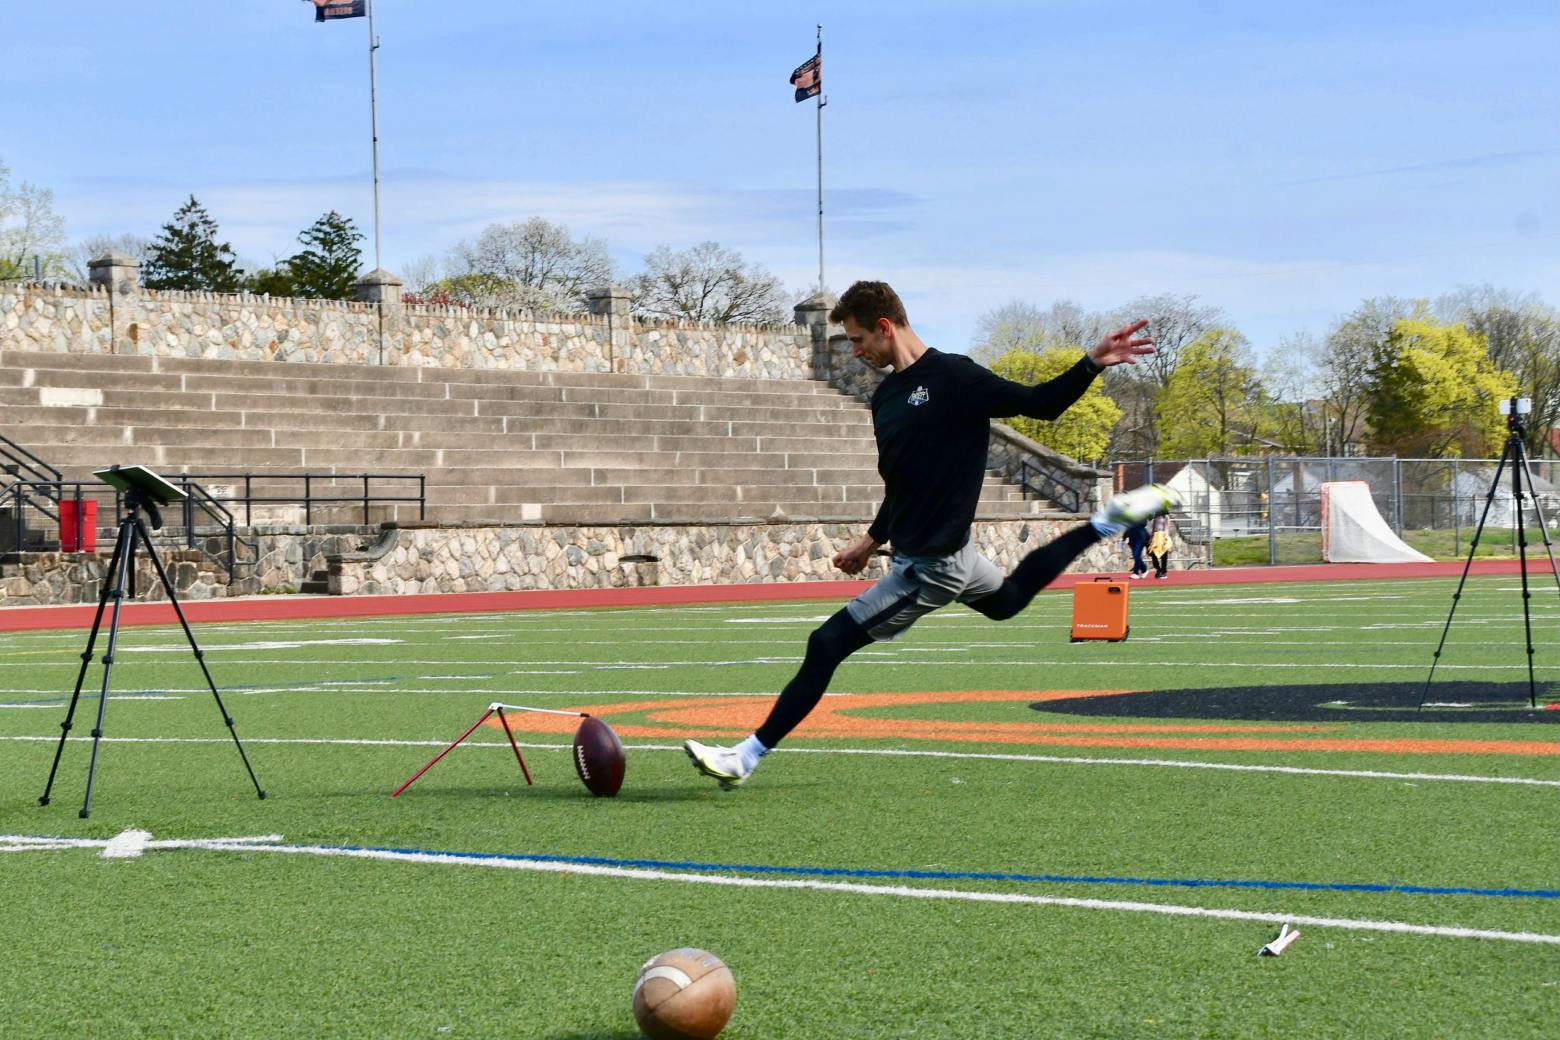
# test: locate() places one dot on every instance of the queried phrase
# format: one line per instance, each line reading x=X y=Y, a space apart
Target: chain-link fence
x=1436 y=503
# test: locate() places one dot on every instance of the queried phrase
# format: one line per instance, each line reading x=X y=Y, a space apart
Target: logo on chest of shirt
x=919 y=396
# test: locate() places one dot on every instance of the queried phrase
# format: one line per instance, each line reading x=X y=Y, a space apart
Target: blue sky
x=1282 y=161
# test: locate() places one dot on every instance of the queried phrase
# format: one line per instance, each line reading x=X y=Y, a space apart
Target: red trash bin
x=78 y=525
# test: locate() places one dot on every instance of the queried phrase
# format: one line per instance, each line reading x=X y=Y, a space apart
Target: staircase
x=495 y=445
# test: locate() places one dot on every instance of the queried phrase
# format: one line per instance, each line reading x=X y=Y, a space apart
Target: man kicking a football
x=932 y=418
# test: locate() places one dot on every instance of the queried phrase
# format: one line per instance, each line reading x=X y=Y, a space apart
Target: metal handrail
x=196 y=497
x=309 y=499
x=20 y=457
x=1048 y=486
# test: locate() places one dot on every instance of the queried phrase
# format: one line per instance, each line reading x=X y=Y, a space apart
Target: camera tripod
x=1515 y=455
x=119 y=577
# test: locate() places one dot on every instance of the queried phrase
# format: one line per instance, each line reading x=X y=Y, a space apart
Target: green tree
x=1433 y=392
x=1213 y=403
x=328 y=268
x=29 y=228
x=1083 y=431
x=186 y=254
x=272 y=281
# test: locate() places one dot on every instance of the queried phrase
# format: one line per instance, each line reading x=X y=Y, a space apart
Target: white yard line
x=977 y=756
x=133 y=843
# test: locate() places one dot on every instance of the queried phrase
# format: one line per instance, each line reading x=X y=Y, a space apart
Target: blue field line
x=978 y=875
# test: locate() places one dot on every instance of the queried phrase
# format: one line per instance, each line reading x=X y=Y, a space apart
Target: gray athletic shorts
x=918 y=585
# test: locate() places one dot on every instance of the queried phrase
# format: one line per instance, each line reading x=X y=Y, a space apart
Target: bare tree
x=95 y=246
x=1175 y=322
x=32 y=235
x=1023 y=326
x=1522 y=335
x=533 y=263
x=421 y=272
x=707 y=282
x=1342 y=367
x=1299 y=419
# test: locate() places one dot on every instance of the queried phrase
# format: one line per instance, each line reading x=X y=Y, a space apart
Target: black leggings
x=841 y=636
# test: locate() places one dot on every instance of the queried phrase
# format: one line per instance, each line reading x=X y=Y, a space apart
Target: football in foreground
x=599 y=757
x=684 y=994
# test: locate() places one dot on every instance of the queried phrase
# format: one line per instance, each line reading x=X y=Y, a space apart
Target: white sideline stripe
x=902 y=891
x=93 y=696
x=1367 y=774
x=883 y=660
x=978 y=756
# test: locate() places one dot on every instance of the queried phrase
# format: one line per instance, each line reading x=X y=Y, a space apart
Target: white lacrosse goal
x=1353 y=530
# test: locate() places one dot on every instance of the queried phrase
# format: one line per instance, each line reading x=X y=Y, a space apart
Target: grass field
x=957 y=864
x=1306 y=546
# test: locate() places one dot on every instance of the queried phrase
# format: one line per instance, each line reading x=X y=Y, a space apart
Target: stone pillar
x=116 y=271
x=121 y=276
x=382 y=288
x=813 y=313
x=612 y=302
x=379 y=286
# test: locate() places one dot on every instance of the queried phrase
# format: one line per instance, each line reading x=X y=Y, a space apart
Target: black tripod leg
x=1543 y=527
x=126 y=566
x=1517 y=470
x=200 y=655
x=1473 y=547
x=1543 y=530
x=110 y=587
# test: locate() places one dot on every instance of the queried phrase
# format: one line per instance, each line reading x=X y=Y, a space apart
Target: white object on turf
x=1353 y=530
x=127 y=844
x=1280 y=944
x=723 y=763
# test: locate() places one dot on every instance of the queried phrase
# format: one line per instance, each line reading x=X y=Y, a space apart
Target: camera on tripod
x=1514 y=408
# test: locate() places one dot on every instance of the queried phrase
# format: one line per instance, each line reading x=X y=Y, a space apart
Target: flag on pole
x=330 y=10
x=808 y=78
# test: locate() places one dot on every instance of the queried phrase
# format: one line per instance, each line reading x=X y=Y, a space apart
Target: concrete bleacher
x=495 y=445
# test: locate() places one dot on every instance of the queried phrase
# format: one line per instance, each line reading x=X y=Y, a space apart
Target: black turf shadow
x=1328 y=702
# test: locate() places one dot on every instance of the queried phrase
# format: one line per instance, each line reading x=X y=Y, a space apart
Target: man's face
x=873 y=345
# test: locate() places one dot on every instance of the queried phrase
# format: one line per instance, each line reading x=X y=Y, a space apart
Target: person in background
x=1136 y=538
x=1159 y=545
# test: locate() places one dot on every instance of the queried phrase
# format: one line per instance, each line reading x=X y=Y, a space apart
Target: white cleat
x=1130 y=508
x=723 y=763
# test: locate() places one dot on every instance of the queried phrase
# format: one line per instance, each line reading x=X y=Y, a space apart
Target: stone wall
x=47 y=578
x=416 y=558
x=271 y=559
x=242 y=326
x=425 y=559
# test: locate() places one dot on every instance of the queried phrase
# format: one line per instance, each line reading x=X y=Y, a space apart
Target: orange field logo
x=854 y=717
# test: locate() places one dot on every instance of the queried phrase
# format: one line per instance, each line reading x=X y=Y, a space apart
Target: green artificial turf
x=335 y=714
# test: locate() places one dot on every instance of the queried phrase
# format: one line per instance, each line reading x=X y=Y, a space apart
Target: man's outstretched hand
x=1120 y=348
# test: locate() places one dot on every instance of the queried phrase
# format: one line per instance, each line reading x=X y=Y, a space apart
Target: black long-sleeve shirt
x=933 y=428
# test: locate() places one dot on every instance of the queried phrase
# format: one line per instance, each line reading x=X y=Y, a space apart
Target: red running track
x=285 y=608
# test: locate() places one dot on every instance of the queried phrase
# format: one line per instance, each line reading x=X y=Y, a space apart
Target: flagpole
x=821 y=103
x=373 y=116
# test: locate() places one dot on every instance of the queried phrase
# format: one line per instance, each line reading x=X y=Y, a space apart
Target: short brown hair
x=866 y=302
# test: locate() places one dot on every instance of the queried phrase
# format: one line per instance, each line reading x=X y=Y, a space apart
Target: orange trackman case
x=1100 y=610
